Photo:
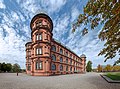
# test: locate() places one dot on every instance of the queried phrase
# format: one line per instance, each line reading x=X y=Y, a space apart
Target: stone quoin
x=46 y=56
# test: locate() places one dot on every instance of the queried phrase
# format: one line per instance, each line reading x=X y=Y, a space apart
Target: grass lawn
x=113 y=76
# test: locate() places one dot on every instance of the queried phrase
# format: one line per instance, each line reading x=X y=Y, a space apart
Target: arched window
x=53 y=48
x=53 y=67
x=66 y=60
x=53 y=57
x=61 y=68
x=70 y=68
x=71 y=61
x=66 y=68
x=61 y=51
x=61 y=59
x=66 y=53
x=74 y=69
x=39 y=65
x=71 y=56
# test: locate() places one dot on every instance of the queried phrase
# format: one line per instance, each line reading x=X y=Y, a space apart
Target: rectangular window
x=39 y=51
x=40 y=37
x=37 y=66
x=40 y=65
x=37 y=37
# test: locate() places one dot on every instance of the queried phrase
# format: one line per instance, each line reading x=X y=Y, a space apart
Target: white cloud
x=60 y=26
x=56 y=4
x=74 y=13
x=2 y=5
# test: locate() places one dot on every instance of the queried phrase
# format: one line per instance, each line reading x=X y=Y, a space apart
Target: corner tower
x=41 y=35
x=83 y=57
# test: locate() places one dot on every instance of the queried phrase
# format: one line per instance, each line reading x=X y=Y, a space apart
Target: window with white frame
x=39 y=65
x=39 y=37
x=38 y=51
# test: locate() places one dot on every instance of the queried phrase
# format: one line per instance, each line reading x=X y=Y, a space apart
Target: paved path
x=73 y=81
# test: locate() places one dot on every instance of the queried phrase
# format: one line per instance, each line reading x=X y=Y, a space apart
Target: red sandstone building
x=46 y=56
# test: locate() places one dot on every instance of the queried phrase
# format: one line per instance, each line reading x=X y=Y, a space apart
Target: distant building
x=46 y=56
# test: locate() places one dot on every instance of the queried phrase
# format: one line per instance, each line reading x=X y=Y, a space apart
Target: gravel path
x=73 y=81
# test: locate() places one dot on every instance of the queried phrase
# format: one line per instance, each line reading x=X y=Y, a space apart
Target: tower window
x=39 y=51
x=39 y=23
x=39 y=37
x=39 y=65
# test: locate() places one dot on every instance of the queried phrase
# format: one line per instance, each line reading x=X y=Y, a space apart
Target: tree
x=116 y=68
x=99 y=68
x=0 y=67
x=89 y=66
x=8 y=67
x=108 y=68
x=3 y=67
x=106 y=13
x=16 y=67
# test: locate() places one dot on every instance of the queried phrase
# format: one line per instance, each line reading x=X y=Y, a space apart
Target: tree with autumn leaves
x=99 y=68
x=107 y=14
x=108 y=68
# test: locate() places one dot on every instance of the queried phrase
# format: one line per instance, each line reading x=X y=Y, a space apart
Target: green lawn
x=113 y=76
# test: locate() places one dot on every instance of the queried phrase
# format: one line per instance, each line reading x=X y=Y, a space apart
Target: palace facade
x=45 y=56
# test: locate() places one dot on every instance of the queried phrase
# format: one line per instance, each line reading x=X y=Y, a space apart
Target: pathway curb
x=109 y=80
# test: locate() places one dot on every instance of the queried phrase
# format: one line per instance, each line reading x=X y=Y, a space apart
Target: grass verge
x=113 y=76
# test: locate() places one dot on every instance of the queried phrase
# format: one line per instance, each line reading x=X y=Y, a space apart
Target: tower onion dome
x=83 y=56
x=41 y=15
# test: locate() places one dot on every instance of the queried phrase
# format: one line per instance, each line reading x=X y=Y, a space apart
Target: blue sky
x=15 y=17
